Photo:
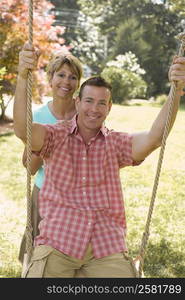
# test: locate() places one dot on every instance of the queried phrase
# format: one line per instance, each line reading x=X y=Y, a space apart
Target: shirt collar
x=74 y=127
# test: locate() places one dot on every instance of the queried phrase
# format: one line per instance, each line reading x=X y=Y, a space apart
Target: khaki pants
x=47 y=262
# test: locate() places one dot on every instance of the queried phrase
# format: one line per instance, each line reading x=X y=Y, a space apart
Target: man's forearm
x=158 y=126
x=20 y=107
x=36 y=162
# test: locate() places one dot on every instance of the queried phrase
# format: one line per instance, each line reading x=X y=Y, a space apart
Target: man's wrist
x=22 y=77
x=180 y=92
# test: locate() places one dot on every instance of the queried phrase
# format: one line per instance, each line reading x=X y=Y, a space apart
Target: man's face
x=93 y=108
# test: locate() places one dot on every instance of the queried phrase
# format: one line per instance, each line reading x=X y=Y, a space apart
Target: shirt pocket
x=60 y=170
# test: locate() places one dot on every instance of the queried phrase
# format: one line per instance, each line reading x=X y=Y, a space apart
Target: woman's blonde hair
x=59 y=59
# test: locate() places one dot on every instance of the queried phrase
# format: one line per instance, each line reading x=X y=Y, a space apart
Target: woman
x=64 y=74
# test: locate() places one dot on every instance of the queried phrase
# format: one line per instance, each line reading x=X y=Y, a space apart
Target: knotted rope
x=171 y=96
x=29 y=229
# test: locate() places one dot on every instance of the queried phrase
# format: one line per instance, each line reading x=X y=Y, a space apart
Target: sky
x=157 y=1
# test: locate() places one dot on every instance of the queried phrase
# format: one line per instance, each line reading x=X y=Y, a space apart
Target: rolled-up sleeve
x=53 y=135
x=124 y=150
x=49 y=142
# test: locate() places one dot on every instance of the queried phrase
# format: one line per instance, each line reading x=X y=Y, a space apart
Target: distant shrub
x=124 y=74
x=126 y=84
x=161 y=99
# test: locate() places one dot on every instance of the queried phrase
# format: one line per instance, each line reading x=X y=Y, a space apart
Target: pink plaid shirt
x=81 y=199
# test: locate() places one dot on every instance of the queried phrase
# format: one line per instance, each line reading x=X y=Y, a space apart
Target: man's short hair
x=95 y=81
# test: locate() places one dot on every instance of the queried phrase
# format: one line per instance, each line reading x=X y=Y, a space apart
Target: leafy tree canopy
x=14 y=33
x=143 y=27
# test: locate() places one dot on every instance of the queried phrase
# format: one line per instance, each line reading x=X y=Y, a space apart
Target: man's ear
x=110 y=105
x=77 y=102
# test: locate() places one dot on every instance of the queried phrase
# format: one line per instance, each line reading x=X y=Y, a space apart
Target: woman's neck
x=62 y=110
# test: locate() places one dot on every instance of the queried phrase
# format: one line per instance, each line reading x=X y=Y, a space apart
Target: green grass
x=12 y=204
x=165 y=251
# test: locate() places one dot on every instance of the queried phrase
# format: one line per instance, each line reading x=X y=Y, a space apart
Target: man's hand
x=177 y=73
x=28 y=60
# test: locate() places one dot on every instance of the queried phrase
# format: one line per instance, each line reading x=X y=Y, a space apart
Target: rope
x=171 y=96
x=29 y=242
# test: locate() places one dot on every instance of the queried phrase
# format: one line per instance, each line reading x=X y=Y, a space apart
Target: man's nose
x=94 y=107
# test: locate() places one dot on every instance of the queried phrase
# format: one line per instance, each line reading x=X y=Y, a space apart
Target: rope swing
x=29 y=229
x=171 y=97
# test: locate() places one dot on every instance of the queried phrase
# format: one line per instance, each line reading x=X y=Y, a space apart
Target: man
x=83 y=220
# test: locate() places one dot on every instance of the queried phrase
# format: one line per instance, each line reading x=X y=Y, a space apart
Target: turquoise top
x=44 y=116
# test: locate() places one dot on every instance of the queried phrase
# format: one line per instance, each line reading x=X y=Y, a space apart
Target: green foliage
x=177 y=6
x=128 y=61
x=81 y=34
x=2 y=73
x=14 y=32
x=143 y=27
x=2 y=103
x=107 y=28
x=124 y=73
x=161 y=99
x=65 y=4
x=88 y=45
x=129 y=37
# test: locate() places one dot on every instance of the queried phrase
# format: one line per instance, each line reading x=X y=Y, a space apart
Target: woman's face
x=64 y=82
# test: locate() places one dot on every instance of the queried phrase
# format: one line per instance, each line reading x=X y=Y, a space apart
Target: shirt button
x=84 y=158
x=89 y=223
x=84 y=193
